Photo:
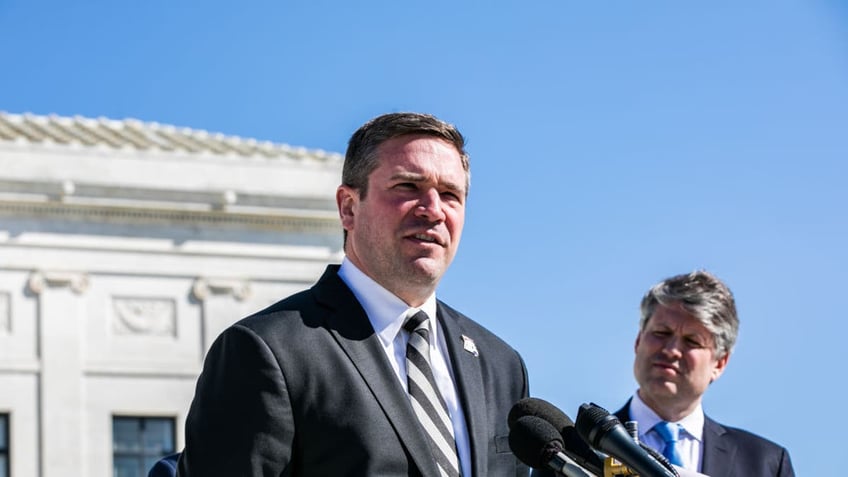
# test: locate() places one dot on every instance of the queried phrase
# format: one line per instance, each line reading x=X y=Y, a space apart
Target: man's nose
x=672 y=346
x=430 y=206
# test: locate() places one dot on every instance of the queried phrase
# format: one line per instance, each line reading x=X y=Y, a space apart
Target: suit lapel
x=349 y=325
x=469 y=382
x=718 y=454
x=623 y=414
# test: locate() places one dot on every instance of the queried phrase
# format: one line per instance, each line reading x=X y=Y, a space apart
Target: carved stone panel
x=144 y=316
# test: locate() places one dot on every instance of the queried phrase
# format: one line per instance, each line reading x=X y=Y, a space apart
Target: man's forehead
x=675 y=314
x=421 y=160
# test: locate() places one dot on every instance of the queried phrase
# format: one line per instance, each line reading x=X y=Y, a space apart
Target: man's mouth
x=666 y=366
x=426 y=238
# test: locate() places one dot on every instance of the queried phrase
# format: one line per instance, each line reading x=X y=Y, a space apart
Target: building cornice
x=271 y=219
x=132 y=134
x=100 y=170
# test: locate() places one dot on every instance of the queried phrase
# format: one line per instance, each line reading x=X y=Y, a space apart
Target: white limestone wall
x=95 y=327
x=120 y=266
x=19 y=371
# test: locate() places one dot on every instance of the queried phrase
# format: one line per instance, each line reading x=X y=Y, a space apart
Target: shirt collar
x=693 y=424
x=385 y=310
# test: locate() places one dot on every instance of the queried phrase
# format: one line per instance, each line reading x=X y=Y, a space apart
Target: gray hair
x=704 y=296
x=361 y=156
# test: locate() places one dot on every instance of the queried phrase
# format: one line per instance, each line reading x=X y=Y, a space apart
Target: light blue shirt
x=690 y=442
x=387 y=313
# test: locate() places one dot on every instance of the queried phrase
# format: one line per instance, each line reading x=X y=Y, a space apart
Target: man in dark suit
x=322 y=382
x=686 y=334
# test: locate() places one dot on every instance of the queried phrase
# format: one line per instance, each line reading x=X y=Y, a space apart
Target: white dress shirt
x=690 y=443
x=387 y=313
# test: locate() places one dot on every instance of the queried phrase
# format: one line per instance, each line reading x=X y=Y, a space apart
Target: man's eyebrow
x=415 y=177
x=459 y=189
x=407 y=176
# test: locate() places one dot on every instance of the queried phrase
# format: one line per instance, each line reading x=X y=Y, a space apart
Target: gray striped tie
x=426 y=400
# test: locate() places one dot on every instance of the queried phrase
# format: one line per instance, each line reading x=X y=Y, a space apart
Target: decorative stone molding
x=66 y=189
x=144 y=316
x=76 y=281
x=133 y=134
x=203 y=287
x=229 y=197
x=320 y=222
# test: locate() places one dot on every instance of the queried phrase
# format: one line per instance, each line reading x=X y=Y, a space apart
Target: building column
x=61 y=318
x=222 y=304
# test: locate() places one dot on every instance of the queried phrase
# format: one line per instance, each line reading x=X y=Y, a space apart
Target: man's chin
x=663 y=390
x=427 y=269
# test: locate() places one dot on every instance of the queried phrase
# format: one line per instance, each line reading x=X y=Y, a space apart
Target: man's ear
x=720 y=365
x=347 y=200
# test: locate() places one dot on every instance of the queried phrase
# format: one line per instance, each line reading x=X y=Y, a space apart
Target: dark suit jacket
x=731 y=452
x=304 y=388
x=165 y=467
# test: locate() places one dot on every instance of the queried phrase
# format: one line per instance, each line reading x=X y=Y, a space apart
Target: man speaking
x=367 y=372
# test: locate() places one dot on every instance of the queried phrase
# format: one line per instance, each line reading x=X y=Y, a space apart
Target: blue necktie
x=669 y=433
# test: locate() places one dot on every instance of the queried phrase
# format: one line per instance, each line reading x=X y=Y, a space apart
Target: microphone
x=656 y=455
x=604 y=432
x=537 y=443
x=573 y=445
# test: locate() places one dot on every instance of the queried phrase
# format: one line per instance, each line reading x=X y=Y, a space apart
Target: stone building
x=125 y=248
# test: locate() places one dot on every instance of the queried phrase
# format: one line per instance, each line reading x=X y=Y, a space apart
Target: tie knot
x=415 y=321
x=668 y=431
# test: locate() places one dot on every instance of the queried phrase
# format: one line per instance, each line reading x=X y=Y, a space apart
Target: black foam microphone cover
x=605 y=432
x=534 y=441
x=531 y=406
x=573 y=444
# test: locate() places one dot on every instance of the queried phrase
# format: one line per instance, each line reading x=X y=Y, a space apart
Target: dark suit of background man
x=316 y=383
x=686 y=334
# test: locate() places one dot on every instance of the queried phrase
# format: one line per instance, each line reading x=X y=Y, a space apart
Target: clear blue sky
x=613 y=144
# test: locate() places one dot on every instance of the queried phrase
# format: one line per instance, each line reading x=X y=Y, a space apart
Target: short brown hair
x=361 y=156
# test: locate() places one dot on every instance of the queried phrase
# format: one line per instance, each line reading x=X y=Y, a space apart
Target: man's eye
x=694 y=343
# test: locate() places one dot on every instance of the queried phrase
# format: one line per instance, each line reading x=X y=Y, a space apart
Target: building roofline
x=133 y=134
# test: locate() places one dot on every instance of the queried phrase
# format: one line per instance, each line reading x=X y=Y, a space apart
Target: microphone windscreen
x=573 y=444
x=531 y=406
x=606 y=433
x=593 y=422
x=534 y=441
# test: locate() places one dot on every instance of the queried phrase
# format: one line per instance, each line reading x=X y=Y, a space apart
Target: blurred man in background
x=686 y=334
